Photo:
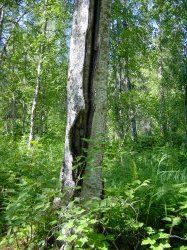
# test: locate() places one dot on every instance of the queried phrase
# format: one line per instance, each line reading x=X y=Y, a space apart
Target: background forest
x=145 y=160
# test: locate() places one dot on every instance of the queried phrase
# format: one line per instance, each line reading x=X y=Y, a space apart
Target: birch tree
x=37 y=88
x=86 y=98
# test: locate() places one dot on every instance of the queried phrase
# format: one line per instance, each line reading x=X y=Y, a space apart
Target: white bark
x=37 y=88
x=75 y=95
x=34 y=103
x=92 y=183
x=1 y=22
x=86 y=95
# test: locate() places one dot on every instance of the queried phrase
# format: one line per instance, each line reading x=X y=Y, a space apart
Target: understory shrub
x=144 y=205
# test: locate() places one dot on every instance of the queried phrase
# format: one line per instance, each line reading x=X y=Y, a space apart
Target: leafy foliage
x=145 y=178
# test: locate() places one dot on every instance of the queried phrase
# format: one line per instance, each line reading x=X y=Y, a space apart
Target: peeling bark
x=86 y=97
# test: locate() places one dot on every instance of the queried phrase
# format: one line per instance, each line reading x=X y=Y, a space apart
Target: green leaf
x=71 y=238
x=167 y=219
x=69 y=224
x=83 y=240
x=176 y=221
x=61 y=237
x=163 y=235
x=148 y=241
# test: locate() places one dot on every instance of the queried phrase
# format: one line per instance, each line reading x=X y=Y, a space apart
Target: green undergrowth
x=145 y=204
x=152 y=183
x=28 y=185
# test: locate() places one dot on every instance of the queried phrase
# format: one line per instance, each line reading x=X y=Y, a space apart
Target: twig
x=178 y=237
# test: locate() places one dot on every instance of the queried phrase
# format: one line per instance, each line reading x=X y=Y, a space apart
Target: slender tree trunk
x=126 y=85
x=86 y=97
x=42 y=120
x=24 y=104
x=24 y=110
x=129 y=86
x=185 y=113
x=38 y=80
x=119 y=88
x=119 y=108
x=35 y=101
x=163 y=119
x=131 y=112
x=13 y=115
x=131 y=108
x=185 y=90
x=1 y=23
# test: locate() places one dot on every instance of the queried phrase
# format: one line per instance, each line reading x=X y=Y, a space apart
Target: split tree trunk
x=86 y=98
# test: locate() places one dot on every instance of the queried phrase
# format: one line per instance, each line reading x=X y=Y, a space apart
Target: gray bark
x=130 y=86
x=131 y=108
x=86 y=98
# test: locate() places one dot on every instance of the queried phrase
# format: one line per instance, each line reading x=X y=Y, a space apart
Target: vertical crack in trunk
x=86 y=90
x=80 y=97
x=93 y=62
x=81 y=128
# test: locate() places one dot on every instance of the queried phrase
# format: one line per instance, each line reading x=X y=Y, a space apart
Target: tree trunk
x=38 y=80
x=35 y=102
x=126 y=85
x=86 y=98
x=185 y=113
x=162 y=90
x=13 y=115
x=24 y=113
x=131 y=108
x=42 y=113
x=185 y=91
x=131 y=112
x=125 y=82
x=1 y=23
x=163 y=119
